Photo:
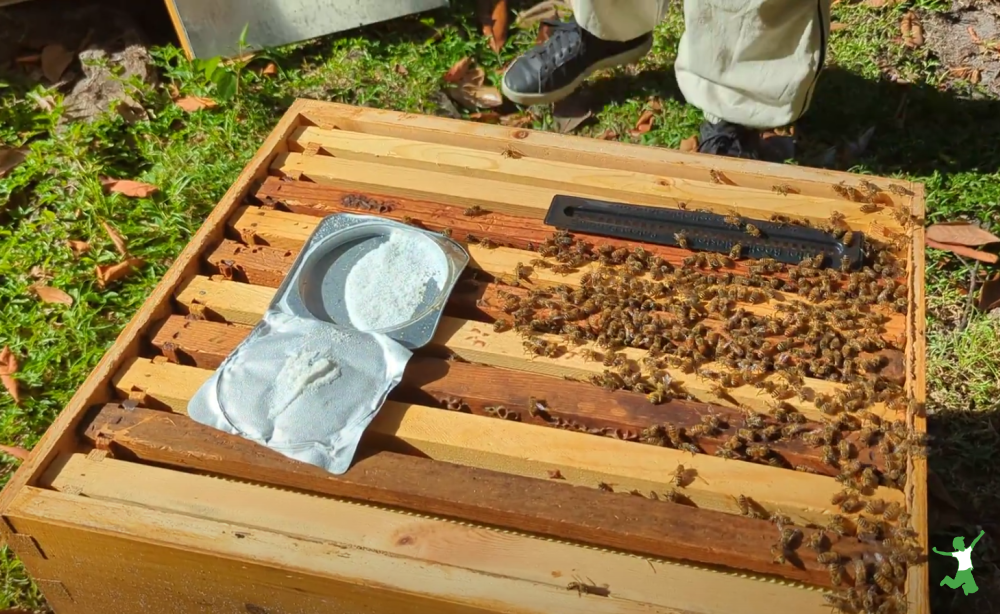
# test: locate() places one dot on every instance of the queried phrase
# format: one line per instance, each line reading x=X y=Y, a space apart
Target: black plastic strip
x=701 y=231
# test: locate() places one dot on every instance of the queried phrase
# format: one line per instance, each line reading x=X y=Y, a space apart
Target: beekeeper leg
x=750 y=63
x=603 y=34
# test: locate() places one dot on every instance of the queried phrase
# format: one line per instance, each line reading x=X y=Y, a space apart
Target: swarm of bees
x=694 y=317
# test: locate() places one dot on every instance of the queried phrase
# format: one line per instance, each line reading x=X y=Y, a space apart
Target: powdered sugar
x=388 y=284
x=302 y=371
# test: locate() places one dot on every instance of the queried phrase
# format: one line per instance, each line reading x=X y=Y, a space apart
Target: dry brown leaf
x=486 y=117
x=472 y=94
x=544 y=32
x=11 y=157
x=401 y=70
x=837 y=26
x=912 y=31
x=78 y=247
x=877 y=4
x=989 y=294
x=608 y=135
x=55 y=60
x=120 y=245
x=645 y=123
x=109 y=274
x=960 y=233
x=270 y=70
x=689 y=144
x=8 y=367
x=517 y=120
x=48 y=294
x=495 y=19
x=458 y=71
x=127 y=187
x=571 y=112
x=962 y=250
x=975 y=37
x=540 y=12
x=20 y=454
x=195 y=103
x=30 y=58
x=654 y=104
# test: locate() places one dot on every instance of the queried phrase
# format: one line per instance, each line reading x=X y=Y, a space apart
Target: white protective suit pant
x=749 y=62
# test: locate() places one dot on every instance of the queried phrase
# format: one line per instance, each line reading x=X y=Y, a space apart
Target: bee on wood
x=829 y=455
x=736 y=251
x=605 y=487
x=845 y=449
x=836 y=573
x=510 y=152
x=885 y=582
x=806 y=469
x=733 y=219
x=868 y=208
x=838 y=525
x=475 y=211
x=783 y=188
x=555 y=474
x=522 y=272
x=899 y=190
x=488 y=244
x=501 y=325
x=828 y=558
x=844 y=191
x=538 y=409
x=752 y=230
x=892 y=511
x=867 y=530
x=717 y=177
x=860 y=574
x=689 y=447
x=779 y=555
x=869 y=188
x=589 y=589
x=747 y=507
x=682 y=240
x=683 y=476
x=683 y=206
x=817 y=541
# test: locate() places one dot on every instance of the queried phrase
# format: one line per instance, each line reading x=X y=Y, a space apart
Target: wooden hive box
x=127 y=505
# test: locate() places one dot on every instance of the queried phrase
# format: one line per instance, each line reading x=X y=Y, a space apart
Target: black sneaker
x=726 y=139
x=551 y=71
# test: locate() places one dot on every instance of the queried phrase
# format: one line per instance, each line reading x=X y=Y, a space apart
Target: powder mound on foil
x=388 y=284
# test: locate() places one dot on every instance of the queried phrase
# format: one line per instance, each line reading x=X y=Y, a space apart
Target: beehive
x=466 y=497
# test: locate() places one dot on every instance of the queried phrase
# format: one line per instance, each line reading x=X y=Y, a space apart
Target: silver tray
x=315 y=286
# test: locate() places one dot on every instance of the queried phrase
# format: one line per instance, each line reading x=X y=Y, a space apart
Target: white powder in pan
x=388 y=284
x=301 y=372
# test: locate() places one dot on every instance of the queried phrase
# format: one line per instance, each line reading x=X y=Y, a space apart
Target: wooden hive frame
x=444 y=511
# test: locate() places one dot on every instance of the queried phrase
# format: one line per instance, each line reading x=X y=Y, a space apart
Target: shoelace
x=565 y=39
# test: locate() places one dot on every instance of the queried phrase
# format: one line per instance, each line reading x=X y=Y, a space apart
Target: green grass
x=942 y=138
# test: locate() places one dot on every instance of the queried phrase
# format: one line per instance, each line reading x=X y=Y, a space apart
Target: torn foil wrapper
x=302 y=387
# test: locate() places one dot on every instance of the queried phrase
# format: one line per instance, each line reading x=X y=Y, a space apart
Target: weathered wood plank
x=533 y=451
x=435 y=382
x=545 y=507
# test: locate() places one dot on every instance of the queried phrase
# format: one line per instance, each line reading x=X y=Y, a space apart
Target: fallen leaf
x=516 y=120
x=18 y=453
x=55 y=60
x=458 y=70
x=645 y=123
x=495 y=17
x=962 y=250
x=78 y=247
x=48 y=294
x=689 y=144
x=960 y=233
x=270 y=70
x=401 y=70
x=654 y=104
x=486 y=117
x=472 y=94
x=543 y=10
x=975 y=37
x=11 y=157
x=608 y=135
x=544 y=32
x=39 y=273
x=195 y=103
x=877 y=4
x=109 y=274
x=912 y=31
x=131 y=114
x=8 y=367
x=30 y=58
x=570 y=113
x=127 y=187
x=837 y=26
x=989 y=294
x=116 y=238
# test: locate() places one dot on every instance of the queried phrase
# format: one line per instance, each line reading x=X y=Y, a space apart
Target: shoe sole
x=623 y=58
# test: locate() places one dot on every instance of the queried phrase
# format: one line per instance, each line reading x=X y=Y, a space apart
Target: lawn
x=932 y=123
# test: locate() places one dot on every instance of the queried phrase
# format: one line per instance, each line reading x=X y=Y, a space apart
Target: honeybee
x=860 y=574
x=783 y=188
x=868 y=208
x=817 y=541
x=869 y=188
x=588 y=589
x=475 y=211
x=892 y=511
x=752 y=230
x=827 y=558
x=717 y=177
x=682 y=240
x=899 y=190
x=733 y=219
x=605 y=487
x=747 y=507
x=682 y=476
x=838 y=525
